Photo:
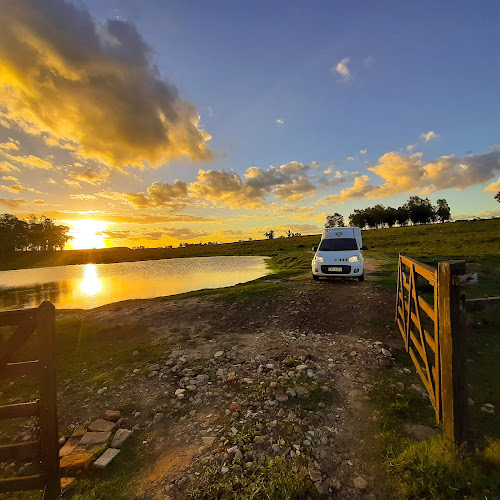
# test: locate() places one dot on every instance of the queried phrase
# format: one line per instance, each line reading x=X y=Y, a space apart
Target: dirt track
x=334 y=330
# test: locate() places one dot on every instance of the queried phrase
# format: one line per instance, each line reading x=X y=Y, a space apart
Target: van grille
x=345 y=269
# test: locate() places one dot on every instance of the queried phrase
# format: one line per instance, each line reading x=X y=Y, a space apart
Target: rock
x=120 y=437
x=224 y=470
x=360 y=483
x=386 y=352
x=399 y=386
x=291 y=392
x=112 y=415
x=234 y=406
x=234 y=430
x=95 y=438
x=301 y=368
x=208 y=440
x=61 y=441
x=218 y=354
x=276 y=448
x=315 y=475
x=470 y=402
x=281 y=397
x=102 y=390
x=105 y=459
x=191 y=388
x=67 y=483
x=158 y=418
x=101 y=425
x=75 y=462
x=488 y=409
x=152 y=374
x=135 y=353
x=258 y=439
x=79 y=432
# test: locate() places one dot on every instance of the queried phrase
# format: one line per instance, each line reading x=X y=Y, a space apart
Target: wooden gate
x=45 y=450
x=430 y=313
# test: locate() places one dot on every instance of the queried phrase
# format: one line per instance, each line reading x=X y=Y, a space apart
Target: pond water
x=91 y=285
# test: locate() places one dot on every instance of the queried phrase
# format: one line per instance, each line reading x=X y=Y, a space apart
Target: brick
x=68 y=483
x=120 y=437
x=105 y=459
x=101 y=425
x=75 y=462
x=69 y=446
x=95 y=438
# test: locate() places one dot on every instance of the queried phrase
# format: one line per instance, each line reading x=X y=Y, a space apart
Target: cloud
x=18 y=188
x=183 y=233
x=11 y=145
x=362 y=152
x=409 y=174
x=12 y=203
x=328 y=171
x=368 y=61
x=343 y=70
x=91 y=175
x=410 y=147
x=350 y=158
x=158 y=195
x=72 y=183
x=494 y=187
x=10 y=178
x=83 y=197
x=279 y=121
x=93 y=85
x=427 y=136
x=5 y=166
x=315 y=164
x=295 y=191
x=30 y=161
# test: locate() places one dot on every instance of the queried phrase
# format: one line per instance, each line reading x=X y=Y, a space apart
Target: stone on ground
x=75 y=462
x=101 y=425
x=95 y=438
x=120 y=437
x=105 y=459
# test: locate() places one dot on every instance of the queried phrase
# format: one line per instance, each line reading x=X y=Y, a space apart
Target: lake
x=91 y=285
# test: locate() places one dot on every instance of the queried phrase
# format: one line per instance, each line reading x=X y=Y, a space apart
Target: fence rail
x=430 y=314
x=26 y=322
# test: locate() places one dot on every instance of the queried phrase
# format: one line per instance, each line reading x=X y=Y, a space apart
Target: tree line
x=35 y=234
x=416 y=211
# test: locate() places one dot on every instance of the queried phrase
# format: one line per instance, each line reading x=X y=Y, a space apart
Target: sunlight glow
x=91 y=284
x=87 y=233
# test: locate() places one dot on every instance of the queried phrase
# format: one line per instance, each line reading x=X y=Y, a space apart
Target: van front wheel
x=315 y=277
x=361 y=278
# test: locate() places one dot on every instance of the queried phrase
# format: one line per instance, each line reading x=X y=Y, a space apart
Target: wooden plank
x=427 y=272
x=15 y=451
x=430 y=341
x=403 y=332
x=417 y=345
x=14 y=318
x=19 y=410
x=17 y=370
x=21 y=334
x=427 y=308
x=452 y=345
x=424 y=379
x=49 y=437
x=25 y=483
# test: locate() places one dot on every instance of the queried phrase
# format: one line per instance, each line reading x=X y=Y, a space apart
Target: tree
x=421 y=210
x=497 y=197
x=269 y=234
x=335 y=220
x=442 y=210
x=403 y=215
x=390 y=216
x=358 y=218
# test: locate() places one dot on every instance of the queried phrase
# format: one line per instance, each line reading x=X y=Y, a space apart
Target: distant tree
x=390 y=216
x=269 y=234
x=290 y=234
x=403 y=215
x=421 y=210
x=357 y=219
x=497 y=197
x=442 y=210
x=335 y=220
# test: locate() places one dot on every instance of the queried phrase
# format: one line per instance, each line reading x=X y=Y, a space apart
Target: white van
x=339 y=254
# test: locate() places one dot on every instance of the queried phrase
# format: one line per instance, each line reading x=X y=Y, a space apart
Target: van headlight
x=319 y=259
x=354 y=258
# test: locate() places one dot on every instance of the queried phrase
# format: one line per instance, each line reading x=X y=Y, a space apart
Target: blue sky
x=342 y=84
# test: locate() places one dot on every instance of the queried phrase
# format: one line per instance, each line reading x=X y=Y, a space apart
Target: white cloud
x=427 y=136
x=343 y=70
x=279 y=121
x=362 y=152
x=368 y=61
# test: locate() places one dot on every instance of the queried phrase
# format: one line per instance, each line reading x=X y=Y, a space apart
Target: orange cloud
x=92 y=85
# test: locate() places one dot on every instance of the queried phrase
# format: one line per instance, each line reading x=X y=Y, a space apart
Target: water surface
x=91 y=285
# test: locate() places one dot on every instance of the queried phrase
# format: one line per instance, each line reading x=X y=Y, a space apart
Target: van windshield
x=338 y=244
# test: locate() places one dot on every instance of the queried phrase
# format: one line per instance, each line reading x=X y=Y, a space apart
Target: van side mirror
x=314 y=249
x=364 y=247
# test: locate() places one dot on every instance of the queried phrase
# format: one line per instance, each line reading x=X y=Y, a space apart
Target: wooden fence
x=430 y=313
x=45 y=450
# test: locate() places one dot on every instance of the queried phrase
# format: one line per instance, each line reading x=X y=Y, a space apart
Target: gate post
x=452 y=344
x=49 y=437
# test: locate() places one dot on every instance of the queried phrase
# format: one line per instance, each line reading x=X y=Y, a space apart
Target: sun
x=87 y=233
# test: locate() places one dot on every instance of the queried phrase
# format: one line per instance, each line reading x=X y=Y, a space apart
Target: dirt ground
x=287 y=374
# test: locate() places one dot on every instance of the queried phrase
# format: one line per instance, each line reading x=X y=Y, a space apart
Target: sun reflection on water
x=91 y=284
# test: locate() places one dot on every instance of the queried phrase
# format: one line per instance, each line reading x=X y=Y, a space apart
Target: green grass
x=278 y=479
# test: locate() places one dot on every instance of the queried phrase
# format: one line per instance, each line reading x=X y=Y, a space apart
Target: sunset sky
x=187 y=121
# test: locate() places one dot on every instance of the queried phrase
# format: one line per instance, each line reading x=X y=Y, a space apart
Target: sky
x=167 y=122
